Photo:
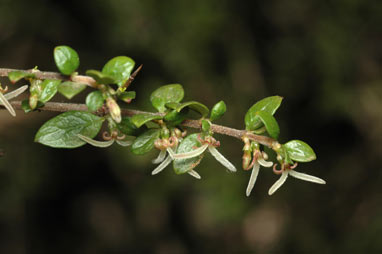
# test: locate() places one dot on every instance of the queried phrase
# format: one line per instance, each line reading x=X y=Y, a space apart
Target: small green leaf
x=127 y=127
x=15 y=76
x=187 y=145
x=174 y=117
x=66 y=59
x=218 y=110
x=94 y=101
x=194 y=105
x=269 y=104
x=145 y=142
x=166 y=94
x=299 y=151
x=270 y=123
x=141 y=119
x=100 y=77
x=49 y=88
x=25 y=106
x=61 y=131
x=70 y=89
x=119 y=68
x=206 y=125
x=127 y=96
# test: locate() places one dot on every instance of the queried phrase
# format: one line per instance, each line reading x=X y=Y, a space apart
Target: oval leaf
x=270 y=123
x=119 y=68
x=218 y=110
x=174 y=118
x=61 y=131
x=127 y=127
x=66 y=59
x=145 y=142
x=15 y=76
x=94 y=101
x=127 y=96
x=100 y=77
x=166 y=94
x=299 y=151
x=49 y=88
x=269 y=104
x=140 y=119
x=187 y=145
x=70 y=89
x=196 y=106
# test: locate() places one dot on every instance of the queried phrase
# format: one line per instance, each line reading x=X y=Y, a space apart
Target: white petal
x=194 y=174
x=96 y=143
x=7 y=105
x=252 y=179
x=16 y=92
x=306 y=177
x=196 y=152
x=162 y=165
x=265 y=163
x=160 y=158
x=278 y=183
x=220 y=158
x=171 y=152
x=124 y=143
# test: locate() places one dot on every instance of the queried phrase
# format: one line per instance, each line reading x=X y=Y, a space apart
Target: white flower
x=5 y=97
x=291 y=172
x=257 y=161
x=109 y=140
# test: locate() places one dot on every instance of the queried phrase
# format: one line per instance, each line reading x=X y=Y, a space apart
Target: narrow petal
x=7 y=105
x=194 y=174
x=265 y=163
x=252 y=179
x=160 y=158
x=162 y=165
x=124 y=143
x=171 y=152
x=220 y=158
x=196 y=152
x=96 y=143
x=278 y=183
x=16 y=92
x=306 y=177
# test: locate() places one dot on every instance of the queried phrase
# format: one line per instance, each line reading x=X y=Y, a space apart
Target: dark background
x=324 y=57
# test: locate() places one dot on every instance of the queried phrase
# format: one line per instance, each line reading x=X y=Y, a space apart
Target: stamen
x=194 y=174
x=278 y=183
x=252 y=179
x=7 y=105
x=220 y=158
x=194 y=153
x=106 y=136
x=16 y=92
x=306 y=177
x=162 y=166
x=278 y=171
x=160 y=157
x=96 y=143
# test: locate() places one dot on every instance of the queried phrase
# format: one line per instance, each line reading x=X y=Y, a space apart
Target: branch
x=196 y=124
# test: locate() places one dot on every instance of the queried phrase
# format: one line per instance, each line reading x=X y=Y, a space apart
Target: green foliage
x=140 y=119
x=270 y=123
x=67 y=60
x=194 y=105
x=94 y=101
x=101 y=78
x=145 y=142
x=49 y=88
x=61 y=131
x=70 y=89
x=187 y=145
x=218 y=110
x=166 y=94
x=15 y=76
x=299 y=151
x=119 y=68
x=127 y=127
x=269 y=104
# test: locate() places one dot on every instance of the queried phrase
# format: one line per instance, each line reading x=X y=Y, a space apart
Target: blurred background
x=323 y=57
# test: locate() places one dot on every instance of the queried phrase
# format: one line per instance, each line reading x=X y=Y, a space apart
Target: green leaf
x=218 y=110
x=206 y=125
x=141 y=119
x=61 y=131
x=119 y=68
x=166 y=94
x=94 y=101
x=299 y=151
x=70 y=89
x=187 y=145
x=270 y=123
x=127 y=127
x=269 y=104
x=15 y=76
x=174 y=117
x=25 y=106
x=145 y=142
x=127 y=96
x=66 y=59
x=49 y=88
x=194 y=105
x=100 y=77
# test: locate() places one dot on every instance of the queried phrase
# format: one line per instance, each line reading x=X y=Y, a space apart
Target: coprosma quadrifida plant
x=167 y=130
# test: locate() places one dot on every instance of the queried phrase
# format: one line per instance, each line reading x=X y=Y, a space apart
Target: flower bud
x=33 y=100
x=246 y=160
x=114 y=109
